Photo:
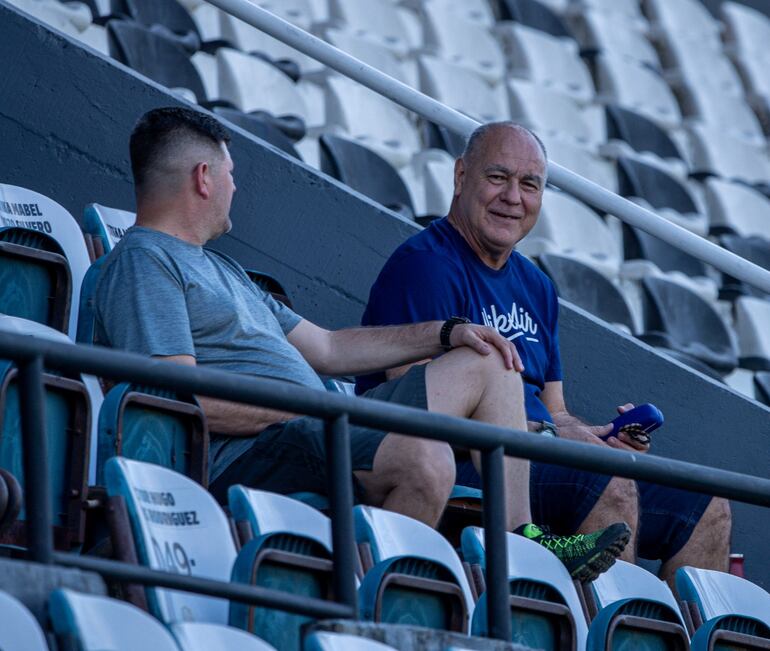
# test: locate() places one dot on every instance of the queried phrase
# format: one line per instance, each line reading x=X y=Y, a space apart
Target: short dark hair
x=162 y=128
x=480 y=132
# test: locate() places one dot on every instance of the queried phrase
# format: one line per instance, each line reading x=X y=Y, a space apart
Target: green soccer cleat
x=585 y=556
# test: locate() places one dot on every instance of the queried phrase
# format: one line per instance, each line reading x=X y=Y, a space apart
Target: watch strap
x=446 y=330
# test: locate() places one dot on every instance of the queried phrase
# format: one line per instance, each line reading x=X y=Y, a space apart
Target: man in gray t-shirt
x=162 y=294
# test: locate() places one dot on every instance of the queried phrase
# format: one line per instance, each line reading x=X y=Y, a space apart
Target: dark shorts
x=562 y=498
x=290 y=457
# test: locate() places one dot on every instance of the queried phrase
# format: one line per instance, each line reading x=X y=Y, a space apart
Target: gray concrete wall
x=65 y=117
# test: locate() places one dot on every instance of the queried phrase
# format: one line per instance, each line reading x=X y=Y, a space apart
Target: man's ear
x=459 y=176
x=201 y=179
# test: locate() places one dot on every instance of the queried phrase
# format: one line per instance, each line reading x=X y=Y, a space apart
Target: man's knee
x=621 y=498
x=420 y=464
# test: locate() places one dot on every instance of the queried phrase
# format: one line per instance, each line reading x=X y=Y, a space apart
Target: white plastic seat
x=626 y=11
x=462 y=42
x=529 y=561
x=640 y=89
x=207 y=20
x=253 y=84
x=549 y=113
x=197 y=636
x=742 y=381
x=68 y=18
x=110 y=224
x=737 y=208
x=601 y=30
x=568 y=227
x=98 y=623
x=715 y=152
x=748 y=30
x=462 y=89
x=547 y=60
x=366 y=116
x=475 y=11
x=688 y=20
x=376 y=20
x=18 y=627
x=430 y=179
x=374 y=54
x=178 y=527
x=208 y=70
x=694 y=65
x=582 y=161
x=727 y=112
x=752 y=316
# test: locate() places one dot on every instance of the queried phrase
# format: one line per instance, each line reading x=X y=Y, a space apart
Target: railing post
x=495 y=546
x=340 y=473
x=37 y=486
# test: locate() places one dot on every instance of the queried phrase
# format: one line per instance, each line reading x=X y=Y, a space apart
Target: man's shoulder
x=432 y=244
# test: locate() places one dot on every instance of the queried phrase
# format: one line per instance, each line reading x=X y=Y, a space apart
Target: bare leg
x=618 y=503
x=709 y=544
x=469 y=385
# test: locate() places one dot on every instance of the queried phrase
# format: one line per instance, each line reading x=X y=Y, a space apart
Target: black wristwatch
x=446 y=330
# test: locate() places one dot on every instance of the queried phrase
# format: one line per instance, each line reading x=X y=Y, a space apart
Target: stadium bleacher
x=659 y=100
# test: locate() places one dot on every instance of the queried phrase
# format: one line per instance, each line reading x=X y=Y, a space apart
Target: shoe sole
x=603 y=559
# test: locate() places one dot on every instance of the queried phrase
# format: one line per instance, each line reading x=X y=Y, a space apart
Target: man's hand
x=577 y=431
x=624 y=441
x=484 y=340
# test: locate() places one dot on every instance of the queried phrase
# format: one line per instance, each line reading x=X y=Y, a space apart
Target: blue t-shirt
x=435 y=275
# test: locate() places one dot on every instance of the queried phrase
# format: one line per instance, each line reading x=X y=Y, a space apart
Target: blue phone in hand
x=638 y=423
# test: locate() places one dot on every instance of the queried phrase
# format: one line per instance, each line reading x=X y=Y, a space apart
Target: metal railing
x=336 y=410
x=435 y=111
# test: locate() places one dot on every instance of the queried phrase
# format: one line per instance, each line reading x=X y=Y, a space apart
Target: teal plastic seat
x=416 y=578
x=197 y=636
x=158 y=426
x=95 y=623
x=635 y=610
x=106 y=226
x=18 y=628
x=729 y=612
x=546 y=612
x=288 y=549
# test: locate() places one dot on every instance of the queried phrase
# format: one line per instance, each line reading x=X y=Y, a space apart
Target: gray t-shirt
x=159 y=295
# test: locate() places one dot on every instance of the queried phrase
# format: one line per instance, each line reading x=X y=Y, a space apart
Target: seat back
x=170 y=16
x=648 y=182
x=641 y=133
x=263 y=129
x=416 y=577
x=18 y=627
x=197 y=636
x=177 y=527
x=288 y=549
x=366 y=172
x=156 y=426
x=755 y=249
x=107 y=224
x=635 y=609
x=638 y=244
x=95 y=623
x=545 y=608
x=30 y=211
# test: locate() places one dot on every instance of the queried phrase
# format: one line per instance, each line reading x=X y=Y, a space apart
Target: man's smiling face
x=498 y=192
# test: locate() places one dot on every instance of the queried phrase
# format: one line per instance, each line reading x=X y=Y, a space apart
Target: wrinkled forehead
x=513 y=149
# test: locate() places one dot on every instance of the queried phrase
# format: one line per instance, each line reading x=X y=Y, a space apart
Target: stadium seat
x=641 y=246
x=169 y=19
x=67 y=422
x=321 y=641
x=536 y=15
x=461 y=42
x=462 y=89
x=687 y=20
x=692 y=65
x=475 y=11
x=251 y=83
x=728 y=611
x=108 y=225
x=636 y=610
x=712 y=107
x=736 y=208
x=569 y=227
x=366 y=172
x=11 y=500
x=18 y=627
x=679 y=319
x=637 y=88
x=430 y=179
x=548 y=60
x=627 y=12
x=198 y=636
x=546 y=612
x=581 y=284
x=374 y=54
x=714 y=152
x=549 y=113
x=582 y=161
x=762 y=387
x=157 y=426
x=414 y=576
x=287 y=547
x=73 y=19
x=752 y=316
x=634 y=135
x=601 y=32
x=361 y=114
x=261 y=126
x=747 y=29
x=36 y=214
x=377 y=20
x=666 y=195
x=755 y=249
x=742 y=381
x=94 y=623
x=178 y=527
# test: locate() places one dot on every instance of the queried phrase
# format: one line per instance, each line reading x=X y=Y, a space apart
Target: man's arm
x=571 y=427
x=355 y=351
x=232 y=418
